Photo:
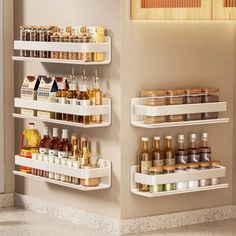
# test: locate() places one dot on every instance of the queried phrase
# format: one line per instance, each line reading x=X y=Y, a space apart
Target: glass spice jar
x=215 y=165
x=158 y=170
x=181 y=168
x=193 y=167
x=73 y=55
x=154 y=98
x=44 y=38
x=175 y=97
x=86 y=56
x=27 y=38
x=204 y=166
x=170 y=186
x=193 y=96
x=90 y=182
x=210 y=95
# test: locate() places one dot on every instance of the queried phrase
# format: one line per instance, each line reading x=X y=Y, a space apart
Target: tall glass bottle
x=157 y=153
x=86 y=155
x=75 y=148
x=181 y=153
x=61 y=98
x=45 y=142
x=169 y=152
x=193 y=151
x=205 y=151
x=144 y=162
x=96 y=98
x=55 y=143
x=65 y=147
x=72 y=100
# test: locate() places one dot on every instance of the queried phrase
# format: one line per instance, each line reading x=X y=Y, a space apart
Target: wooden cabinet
x=224 y=9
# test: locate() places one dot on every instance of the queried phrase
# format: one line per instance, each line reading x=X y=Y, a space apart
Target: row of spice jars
x=182 y=168
x=90 y=182
x=179 y=97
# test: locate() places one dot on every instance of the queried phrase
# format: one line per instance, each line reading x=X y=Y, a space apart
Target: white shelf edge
x=175 y=192
x=181 y=123
x=68 y=185
x=60 y=122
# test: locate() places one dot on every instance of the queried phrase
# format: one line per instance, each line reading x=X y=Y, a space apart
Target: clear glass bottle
x=45 y=142
x=157 y=153
x=75 y=148
x=55 y=143
x=61 y=98
x=193 y=151
x=169 y=152
x=205 y=151
x=86 y=155
x=181 y=153
x=144 y=162
x=72 y=100
x=65 y=147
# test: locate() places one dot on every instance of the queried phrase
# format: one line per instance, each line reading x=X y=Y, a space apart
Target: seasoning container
x=66 y=40
x=158 y=170
x=76 y=165
x=169 y=170
x=91 y=182
x=35 y=158
x=193 y=167
x=46 y=159
x=193 y=151
x=181 y=154
x=181 y=168
x=205 y=151
x=175 y=97
x=157 y=153
x=86 y=56
x=69 y=164
x=35 y=36
x=55 y=38
x=22 y=38
x=64 y=163
x=193 y=96
x=204 y=166
x=210 y=95
x=51 y=160
x=73 y=55
x=215 y=165
x=57 y=162
x=44 y=38
x=154 y=98
x=169 y=152
x=27 y=38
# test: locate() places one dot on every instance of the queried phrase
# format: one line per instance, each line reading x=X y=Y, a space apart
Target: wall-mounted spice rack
x=104 y=172
x=138 y=111
x=174 y=178
x=64 y=47
x=104 y=110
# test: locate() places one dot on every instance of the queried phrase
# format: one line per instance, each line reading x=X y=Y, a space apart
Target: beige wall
x=73 y=12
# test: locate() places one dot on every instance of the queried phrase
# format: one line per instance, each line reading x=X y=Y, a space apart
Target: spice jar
x=91 y=182
x=210 y=95
x=215 y=165
x=86 y=56
x=193 y=96
x=22 y=38
x=169 y=170
x=44 y=38
x=175 y=97
x=158 y=170
x=181 y=168
x=27 y=38
x=193 y=167
x=204 y=166
x=154 y=98
x=73 y=55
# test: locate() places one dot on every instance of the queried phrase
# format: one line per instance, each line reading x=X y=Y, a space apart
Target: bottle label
x=62 y=154
x=182 y=159
x=158 y=162
x=83 y=102
x=194 y=158
x=170 y=162
x=145 y=165
x=53 y=152
x=72 y=101
x=205 y=157
x=43 y=150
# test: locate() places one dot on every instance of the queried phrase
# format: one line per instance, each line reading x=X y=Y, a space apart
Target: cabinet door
x=171 y=9
x=224 y=9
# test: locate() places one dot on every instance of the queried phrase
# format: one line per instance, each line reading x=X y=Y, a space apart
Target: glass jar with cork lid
x=154 y=98
x=157 y=170
x=169 y=170
x=204 y=166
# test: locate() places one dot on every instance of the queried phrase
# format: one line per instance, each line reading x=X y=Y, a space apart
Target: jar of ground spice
x=215 y=165
x=154 y=98
x=157 y=170
x=170 y=186
x=86 y=56
x=73 y=55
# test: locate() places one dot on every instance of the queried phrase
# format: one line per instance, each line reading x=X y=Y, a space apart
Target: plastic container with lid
x=181 y=168
x=169 y=170
x=157 y=170
x=193 y=96
x=175 y=97
x=204 y=166
x=210 y=95
x=214 y=165
x=193 y=167
x=154 y=98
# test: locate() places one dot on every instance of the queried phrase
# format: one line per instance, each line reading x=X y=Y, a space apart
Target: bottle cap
x=168 y=137
x=31 y=124
x=193 y=136
x=65 y=134
x=45 y=131
x=157 y=138
x=204 y=135
x=84 y=139
x=145 y=139
x=55 y=132
x=181 y=137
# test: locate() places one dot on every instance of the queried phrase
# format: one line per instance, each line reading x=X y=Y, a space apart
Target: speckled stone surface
x=6 y=200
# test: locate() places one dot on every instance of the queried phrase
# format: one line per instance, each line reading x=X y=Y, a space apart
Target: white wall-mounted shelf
x=138 y=111
x=136 y=178
x=104 y=110
x=64 y=47
x=104 y=172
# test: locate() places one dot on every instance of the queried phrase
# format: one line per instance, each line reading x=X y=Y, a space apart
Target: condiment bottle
x=86 y=155
x=169 y=152
x=61 y=98
x=45 y=142
x=96 y=98
x=144 y=162
x=75 y=149
x=181 y=168
x=193 y=151
x=55 y=143
x=215 y=165
x=100 y=38
x=72 y=100
x=181 y=153
x=157 y=170
x=205 y=151
x=157 y=153
x=65 y=147
x=204 y=166
x=193 y=167
x=169 y=170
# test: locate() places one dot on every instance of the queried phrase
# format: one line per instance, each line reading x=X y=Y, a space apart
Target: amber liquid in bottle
x=86 y=155
x=144 y=162
x=181 y=152
x=65 y=147
x=169 y=152
x=205 y=151
x=193 y=151
x=75 y=154
x=61 y=98
x=72 y=99
x=55 y=143
x=157 y=153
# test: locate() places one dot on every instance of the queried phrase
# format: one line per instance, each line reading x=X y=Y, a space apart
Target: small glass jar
x=169 y=170
x=154 y=98
x=22 y=38
x=181 y=168
x=175 y=97
x=193 y=96
x=28 y=31
x=158 y=170
x=215 y=165
x=44 y=38
x=73 y=55
x=86 y=56
x=210 y=95
x=204 y=166
x=193 y=167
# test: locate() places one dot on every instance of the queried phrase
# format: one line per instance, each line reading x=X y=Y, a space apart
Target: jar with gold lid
x=90 y=182
x=169 y=170
x=154 y=98
x=215 y=165
x=157 y=170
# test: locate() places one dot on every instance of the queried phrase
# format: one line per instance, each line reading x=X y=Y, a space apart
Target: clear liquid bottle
x=193 y=151
x=65 y=147
x=169 y=152
x=55 y=143
x=181 y=152
x=157 y=153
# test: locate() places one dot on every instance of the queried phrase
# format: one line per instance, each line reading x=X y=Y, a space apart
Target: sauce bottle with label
x=45 y=142
x=65 y=147
x=55 y=143
x=169 y=152
x=181 y=153
x=144 y=162
x=205 y=151
x=193 y=151
x=157 y=153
